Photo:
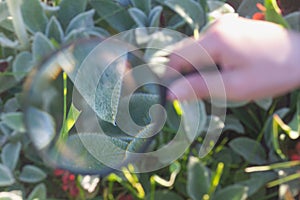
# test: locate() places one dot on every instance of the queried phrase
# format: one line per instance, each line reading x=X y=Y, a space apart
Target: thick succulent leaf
x=69 y=9
x=41 y=127
x=32 y=174
x=6 y=176
x=191 y=11
x=14 y=120
x=251 y=150
x=22 y=64
x=198 y=180
x=154 y=16
x=34 y=16
x=116 y=15
x=10 y=154
x=39 y=192
x=234 y=192
x=144 y=5
x=82 y=21
x=165 y=195
x=293 y=19
x=41 y=46
x=54 y=30
x=138 y=16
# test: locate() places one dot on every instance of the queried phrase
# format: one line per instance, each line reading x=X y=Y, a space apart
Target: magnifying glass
x=95 y=106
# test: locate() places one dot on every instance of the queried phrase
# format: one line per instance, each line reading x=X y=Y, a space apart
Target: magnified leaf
x=6 y=42
x=109 y=90
x=41 y=127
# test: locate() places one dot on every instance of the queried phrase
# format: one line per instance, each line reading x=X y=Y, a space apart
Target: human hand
x=257 y=59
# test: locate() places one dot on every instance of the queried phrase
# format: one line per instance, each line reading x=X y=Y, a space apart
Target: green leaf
x=32 y=174
x=293 y=19
x=272 y=13
x=234 y=192
x=5 y=42
x=10 y=154
x=39 y=192
x=144 y=5
x=72 y=117
x=41 y=46
x=14 y=120
x=198 y=180
x=138 y=16
x=190 y=11
x=69 y=9
x=82 y=21
x=3 y=11
x=165 y=195
x=6 y=177
x=117 y=16
x=54 y=30
x=154 y=16
x=233 y=124
x=248 y=7
x=217 y=9
x=22 y=64
x=41 y=127
x=251 y=150
x=34 y=16
x=264 y=103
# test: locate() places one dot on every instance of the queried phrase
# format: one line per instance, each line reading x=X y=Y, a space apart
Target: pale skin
x=257 y=59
